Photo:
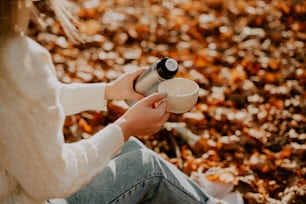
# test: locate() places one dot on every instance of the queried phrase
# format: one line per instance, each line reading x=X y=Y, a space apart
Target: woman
x=110 y=167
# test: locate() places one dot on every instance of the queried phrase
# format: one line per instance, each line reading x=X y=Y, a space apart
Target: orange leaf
x=84 y=125
x=285 y=153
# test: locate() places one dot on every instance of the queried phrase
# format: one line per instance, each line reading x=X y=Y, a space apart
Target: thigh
x=138 y=175
x=132 y=144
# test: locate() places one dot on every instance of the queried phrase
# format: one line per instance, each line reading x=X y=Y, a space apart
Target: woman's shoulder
x=25 y=66
x=21 y=52
x=23 y=43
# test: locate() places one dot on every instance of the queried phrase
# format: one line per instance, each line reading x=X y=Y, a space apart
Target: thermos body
x=147 y=82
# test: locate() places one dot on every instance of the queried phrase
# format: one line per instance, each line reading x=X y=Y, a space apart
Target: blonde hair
x=66 y=19
x=8 y=18
x=9 y=13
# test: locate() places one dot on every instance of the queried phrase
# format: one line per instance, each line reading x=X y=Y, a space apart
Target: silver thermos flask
x=147 y=82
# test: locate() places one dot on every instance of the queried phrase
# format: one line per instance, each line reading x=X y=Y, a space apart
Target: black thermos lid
x=167 y=67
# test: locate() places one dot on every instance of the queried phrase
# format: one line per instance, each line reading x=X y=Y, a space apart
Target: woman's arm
x=77 y=97
x=123 y=87
x=33 y=150
x=36 y=155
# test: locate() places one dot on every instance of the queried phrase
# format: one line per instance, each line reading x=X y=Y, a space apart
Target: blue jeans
x=139 y=175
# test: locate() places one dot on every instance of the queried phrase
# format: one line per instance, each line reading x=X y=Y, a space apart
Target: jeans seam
x=155 y=175
x=180 y=188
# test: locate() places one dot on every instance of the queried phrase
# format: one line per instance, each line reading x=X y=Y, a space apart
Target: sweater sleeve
x=32 y=117
x=77 y=97
x=46 y=167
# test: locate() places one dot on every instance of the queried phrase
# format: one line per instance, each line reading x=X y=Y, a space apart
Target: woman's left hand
x=123 y=87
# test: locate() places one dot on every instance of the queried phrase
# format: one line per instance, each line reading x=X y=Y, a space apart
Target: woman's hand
x=145 y=117
x=123 y=87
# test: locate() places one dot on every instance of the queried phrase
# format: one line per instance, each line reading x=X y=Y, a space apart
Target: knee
x=143 y=161
x=151 y=159
x=131 y=145
x=135 y=142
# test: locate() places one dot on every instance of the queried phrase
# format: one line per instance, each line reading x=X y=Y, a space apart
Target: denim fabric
x=139 y=175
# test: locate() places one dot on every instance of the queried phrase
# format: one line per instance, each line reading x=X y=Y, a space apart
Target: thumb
x=138 y=72
x=136 y=96
x=154 y=98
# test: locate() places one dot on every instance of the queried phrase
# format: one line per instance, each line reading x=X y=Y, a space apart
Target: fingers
x=138 y=72
x=154 y=98
x=137 y=96
x=163 y=110
x=133 y=76
x=165 y=117
x=159 y=103
x=160 y=110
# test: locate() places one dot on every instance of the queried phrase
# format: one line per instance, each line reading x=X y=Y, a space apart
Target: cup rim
x=181 y=95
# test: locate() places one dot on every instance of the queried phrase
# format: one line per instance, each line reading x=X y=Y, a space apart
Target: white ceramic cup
x=182 y=94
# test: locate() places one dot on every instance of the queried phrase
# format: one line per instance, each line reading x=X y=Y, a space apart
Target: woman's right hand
x=145 y=117
x=123 y=87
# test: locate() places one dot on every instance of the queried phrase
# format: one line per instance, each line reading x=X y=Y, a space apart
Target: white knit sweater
x=35 y=163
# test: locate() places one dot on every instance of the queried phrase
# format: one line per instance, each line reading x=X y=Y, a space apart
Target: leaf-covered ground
x=248 y=58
